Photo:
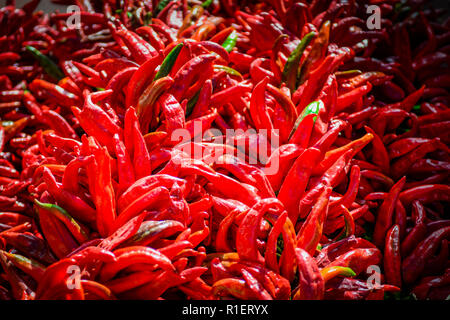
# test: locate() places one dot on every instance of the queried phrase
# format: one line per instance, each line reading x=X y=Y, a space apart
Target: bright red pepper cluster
x=99 y=200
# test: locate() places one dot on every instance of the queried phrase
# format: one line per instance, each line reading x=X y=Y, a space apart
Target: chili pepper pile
x=98 y=200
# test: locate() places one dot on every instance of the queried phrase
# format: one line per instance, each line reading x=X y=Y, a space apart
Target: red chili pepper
x=20 y=289
x=358 y=259
x=139 y=79
x=74 y=204
x=291 y=192
x=183 y=79
x=53 y=91
x=392 y=258
x=246 y=244
x=131 y=255
x=311 y=232
x=384 y=220
x=138 y=149
x=425 y=193
x=333 y=155
x=140 y=50
x=413 y=265
x=311 y=284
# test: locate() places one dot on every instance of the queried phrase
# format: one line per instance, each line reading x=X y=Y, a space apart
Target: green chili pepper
x=289 y=75
x=161 y=5
x=207 y=3
x=318 y=49
x=346 y=272
x=230 y=41
x=228 y=70
x=312 y=108
x=49 y=66
x=168 y=62
x=348 y=73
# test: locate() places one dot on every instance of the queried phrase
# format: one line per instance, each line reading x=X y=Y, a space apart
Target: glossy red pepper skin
x=291 y=192
x=131 y=255
x=414 y=263
x=311 y=232
x=386 y=212
x=392 y=257
x=358 y=259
